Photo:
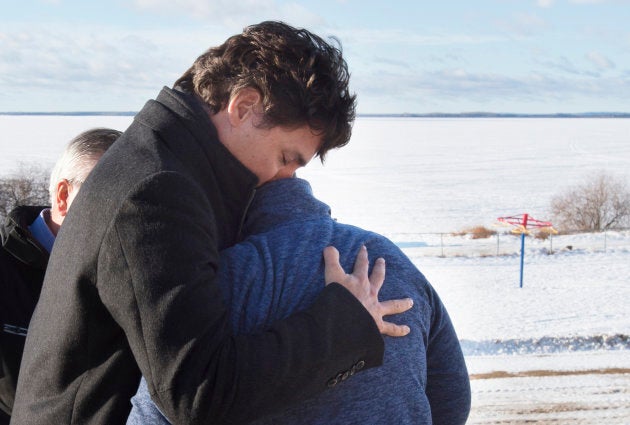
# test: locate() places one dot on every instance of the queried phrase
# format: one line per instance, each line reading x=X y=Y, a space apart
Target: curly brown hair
x=302 y=79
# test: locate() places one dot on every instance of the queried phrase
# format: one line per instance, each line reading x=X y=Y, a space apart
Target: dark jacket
x=22 y=266
x=130 y=288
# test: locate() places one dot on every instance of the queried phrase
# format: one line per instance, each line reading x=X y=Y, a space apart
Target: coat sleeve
x=448 y=384
x=156 y=276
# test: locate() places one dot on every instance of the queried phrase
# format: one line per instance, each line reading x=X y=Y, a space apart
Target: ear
x=243 y=106
x=62 y=195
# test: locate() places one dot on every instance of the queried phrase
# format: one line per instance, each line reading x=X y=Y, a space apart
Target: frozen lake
x=446 y=174
x=411 y=175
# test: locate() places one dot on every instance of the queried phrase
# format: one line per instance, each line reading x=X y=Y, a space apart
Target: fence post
x=551 y=243
x=442 y=243
x=522 y=257
x=497 y=244
x=605 y=240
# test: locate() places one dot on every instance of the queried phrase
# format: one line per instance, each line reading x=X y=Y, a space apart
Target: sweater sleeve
x=448 y=384
x=156 y=276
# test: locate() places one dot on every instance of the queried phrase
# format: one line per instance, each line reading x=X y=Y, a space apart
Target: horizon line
x=376 y=115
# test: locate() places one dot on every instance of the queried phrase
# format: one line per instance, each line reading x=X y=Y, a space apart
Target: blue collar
x=41 y=232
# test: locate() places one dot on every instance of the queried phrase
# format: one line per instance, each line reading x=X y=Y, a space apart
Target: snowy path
x=592 y=399
x=571 y=388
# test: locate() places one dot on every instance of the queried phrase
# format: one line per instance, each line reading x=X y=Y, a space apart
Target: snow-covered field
x=554 y=351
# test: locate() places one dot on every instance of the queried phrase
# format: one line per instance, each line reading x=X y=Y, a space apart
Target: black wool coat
x=22 y=266
x=130 y=289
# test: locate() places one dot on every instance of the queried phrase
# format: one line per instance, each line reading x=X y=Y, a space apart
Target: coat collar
x=185 y=128
x=18 y=241
x=174 y=109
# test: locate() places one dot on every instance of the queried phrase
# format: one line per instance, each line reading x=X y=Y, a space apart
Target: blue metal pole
x=522 y=256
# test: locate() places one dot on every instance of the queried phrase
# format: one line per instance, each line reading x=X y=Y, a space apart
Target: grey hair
x=80 y=156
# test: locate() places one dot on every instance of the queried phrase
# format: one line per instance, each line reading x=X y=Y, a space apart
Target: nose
x=285 y=173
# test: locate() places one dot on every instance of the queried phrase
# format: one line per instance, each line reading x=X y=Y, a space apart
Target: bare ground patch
x=538 y=373
x=551 y=397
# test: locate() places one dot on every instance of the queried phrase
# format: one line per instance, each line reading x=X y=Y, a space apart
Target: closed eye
x=296 y=158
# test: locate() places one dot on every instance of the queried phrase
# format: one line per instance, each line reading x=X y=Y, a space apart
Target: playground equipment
x=520 y=225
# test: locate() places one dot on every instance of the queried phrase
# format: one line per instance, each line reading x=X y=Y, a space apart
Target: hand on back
x=366 y=288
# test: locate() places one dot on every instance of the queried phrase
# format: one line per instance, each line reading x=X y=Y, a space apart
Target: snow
x=419 y=180
x=570 y=294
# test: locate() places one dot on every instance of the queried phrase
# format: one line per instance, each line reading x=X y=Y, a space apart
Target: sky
x=406 y=56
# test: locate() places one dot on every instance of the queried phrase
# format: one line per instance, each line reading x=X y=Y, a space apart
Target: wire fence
x=471 y=245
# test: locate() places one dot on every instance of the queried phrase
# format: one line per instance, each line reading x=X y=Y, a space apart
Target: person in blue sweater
x=264 y=279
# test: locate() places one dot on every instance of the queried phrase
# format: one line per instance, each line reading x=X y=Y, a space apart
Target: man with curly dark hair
x=131 y=285
x=300 y=77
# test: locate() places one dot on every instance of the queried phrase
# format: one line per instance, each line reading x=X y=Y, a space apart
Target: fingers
x=331 y=255
x=391 y=329
x=396 y=306
x=361 y=264
x=378 y=274
x=333 y=271
x=366 y=288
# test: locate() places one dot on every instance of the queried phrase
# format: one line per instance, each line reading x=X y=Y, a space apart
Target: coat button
x=360 y=365
x=332 y=382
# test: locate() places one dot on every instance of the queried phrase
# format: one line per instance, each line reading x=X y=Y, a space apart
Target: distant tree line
x=26 y=186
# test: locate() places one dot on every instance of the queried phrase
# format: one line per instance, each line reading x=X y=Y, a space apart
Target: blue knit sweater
x=279 y=270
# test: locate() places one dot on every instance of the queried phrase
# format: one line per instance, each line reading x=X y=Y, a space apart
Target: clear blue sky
x=522 y=56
